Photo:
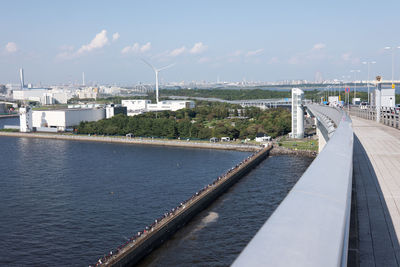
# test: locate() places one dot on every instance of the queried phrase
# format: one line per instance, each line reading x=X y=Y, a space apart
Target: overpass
x=345 y=209
x=261 y=103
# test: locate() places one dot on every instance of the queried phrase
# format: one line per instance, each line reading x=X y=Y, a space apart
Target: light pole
x=392 y=48
x=368 y=65
x=355 y=84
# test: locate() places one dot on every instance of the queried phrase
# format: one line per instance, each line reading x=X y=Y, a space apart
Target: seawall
x=140 y=141
x=135 y=250
x=279 y=150
x=9 y=116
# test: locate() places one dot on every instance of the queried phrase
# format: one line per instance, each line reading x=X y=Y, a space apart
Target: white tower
x=83 y=78
x=25 y=119
x=156 y=71
x=297 y=113
x=21 y=78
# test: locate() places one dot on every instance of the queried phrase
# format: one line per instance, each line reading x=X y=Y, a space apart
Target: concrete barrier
x=311 y=226
x=133 y=252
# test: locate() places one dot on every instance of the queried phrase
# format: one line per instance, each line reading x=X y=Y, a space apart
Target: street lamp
x=368 y=63
x=392 y=48
x=355 y=84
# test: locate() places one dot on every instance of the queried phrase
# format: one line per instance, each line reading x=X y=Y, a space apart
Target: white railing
x=311 y=225
x=389 y=116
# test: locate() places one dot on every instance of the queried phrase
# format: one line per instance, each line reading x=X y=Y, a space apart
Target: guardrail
x=311 y=226
x=389 y=116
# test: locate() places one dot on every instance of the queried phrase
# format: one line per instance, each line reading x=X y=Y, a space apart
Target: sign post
x=347 y=89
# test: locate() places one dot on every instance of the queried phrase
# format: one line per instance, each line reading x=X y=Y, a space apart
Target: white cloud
x=198 y=48
x=146 y=47
x=254 y=52
x=136 y=48
x=204 y=60
x=178 y=51
x=99 y=41
x=319 y=46
x=11 y=47
x=115 y=36
x=315 y=54
x=349 y=57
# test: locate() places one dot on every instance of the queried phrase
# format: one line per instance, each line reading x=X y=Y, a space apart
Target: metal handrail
x=311 y=226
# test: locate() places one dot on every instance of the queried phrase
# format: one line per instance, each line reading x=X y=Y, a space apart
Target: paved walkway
x=376 y=173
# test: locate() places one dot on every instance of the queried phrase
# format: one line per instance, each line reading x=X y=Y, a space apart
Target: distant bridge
x=261 y=103
x=344 y=209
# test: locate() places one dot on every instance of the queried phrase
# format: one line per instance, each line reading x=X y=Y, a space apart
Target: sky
x=55 y=41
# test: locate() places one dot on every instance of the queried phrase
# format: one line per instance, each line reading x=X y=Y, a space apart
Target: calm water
x=218 y=234
x=67 y=203
x=9 y=121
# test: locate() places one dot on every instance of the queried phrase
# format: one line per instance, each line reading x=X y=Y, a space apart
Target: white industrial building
x=43 y=95
x=139 y=106
x=59 y=120
x=297 y=114
x=112 y=110
x=25 y=119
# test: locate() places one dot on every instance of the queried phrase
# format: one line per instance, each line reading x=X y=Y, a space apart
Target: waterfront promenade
x=138 y=140
x=376 y=173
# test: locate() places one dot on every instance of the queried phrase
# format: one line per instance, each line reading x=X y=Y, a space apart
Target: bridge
x=345 y=209
x=260 y=103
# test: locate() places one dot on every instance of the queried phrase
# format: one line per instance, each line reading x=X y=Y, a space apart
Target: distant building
x=139 y=106
x=297 y=114
x=88 y=92
x=262 y=138
x=44 y=96
x=135 y=106
x=25 y=119
x=31 y=94
x=59 y=120
x=112 y=110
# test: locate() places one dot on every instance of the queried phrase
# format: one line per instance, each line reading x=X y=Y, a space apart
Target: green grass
x=50 y=107
x=9 y=130
x=300 y=144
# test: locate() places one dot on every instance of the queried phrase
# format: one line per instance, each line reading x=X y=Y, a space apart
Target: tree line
x=208 y=119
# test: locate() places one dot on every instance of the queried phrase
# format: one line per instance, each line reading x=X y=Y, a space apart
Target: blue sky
x=254 y=40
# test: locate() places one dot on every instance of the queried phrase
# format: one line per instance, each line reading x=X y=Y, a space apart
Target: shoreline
x=163 y=228
x=279 y=150
x=9 y=116
x=138 y=141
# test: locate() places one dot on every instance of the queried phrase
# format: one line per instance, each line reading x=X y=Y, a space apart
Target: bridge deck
x=376 y=172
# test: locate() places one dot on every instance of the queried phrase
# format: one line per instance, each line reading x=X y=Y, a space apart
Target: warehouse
x=58 y=120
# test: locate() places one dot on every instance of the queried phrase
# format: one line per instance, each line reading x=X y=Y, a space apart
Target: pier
x=136 y=249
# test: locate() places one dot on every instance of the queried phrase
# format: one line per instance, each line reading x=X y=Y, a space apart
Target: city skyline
x=255 y=41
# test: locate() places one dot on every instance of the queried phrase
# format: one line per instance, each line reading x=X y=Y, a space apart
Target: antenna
x=83 y=78
x=156 y=71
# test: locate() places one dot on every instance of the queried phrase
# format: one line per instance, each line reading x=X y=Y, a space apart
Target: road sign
x=393 y=85
x=347 y=89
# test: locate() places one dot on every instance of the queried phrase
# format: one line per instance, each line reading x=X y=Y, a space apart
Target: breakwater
x=141 y=141
x=162 y=228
